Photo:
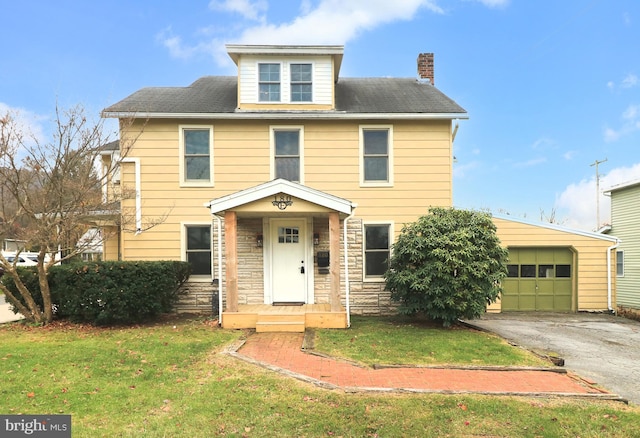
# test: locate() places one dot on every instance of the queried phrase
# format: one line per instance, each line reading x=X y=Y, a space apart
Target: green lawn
x=169 y=380
x=402 y=341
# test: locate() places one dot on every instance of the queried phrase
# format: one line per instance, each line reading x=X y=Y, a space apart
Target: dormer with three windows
x=290 y=78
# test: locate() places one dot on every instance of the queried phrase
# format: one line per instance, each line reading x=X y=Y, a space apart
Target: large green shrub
x=447 y=265
x=106 y=293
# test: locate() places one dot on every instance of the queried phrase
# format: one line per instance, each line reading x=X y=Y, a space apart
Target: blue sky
x=550 y=86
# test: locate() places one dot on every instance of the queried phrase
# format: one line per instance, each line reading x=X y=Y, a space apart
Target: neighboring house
x=290 y=160
x=90 y=245
x=625 y=224
x=554 y=268
x=13 y=245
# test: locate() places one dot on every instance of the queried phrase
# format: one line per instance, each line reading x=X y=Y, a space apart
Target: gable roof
x=625 y=185
x=555 y=227
x=217 y=97
x=275 y=187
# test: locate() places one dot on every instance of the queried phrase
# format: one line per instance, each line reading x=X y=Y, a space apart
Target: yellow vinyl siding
x=422 y=169
x=590 y=261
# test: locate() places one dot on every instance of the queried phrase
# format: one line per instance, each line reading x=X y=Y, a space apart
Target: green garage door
x=539 y=279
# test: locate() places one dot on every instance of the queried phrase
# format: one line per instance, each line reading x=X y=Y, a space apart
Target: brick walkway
x=282 y=352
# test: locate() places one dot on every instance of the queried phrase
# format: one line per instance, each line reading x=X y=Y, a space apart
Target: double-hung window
x=376 y=154
x=377 y=250
x=287 y=146
x=198 y=249
x=196 y=155
x=301 y=83
x=269 y=82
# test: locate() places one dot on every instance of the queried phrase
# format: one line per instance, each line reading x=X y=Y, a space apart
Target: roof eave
x=287 y=115
x=555 y=227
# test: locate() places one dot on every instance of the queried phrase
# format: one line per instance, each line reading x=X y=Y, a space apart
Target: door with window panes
x=289 y=268
x=539 y=279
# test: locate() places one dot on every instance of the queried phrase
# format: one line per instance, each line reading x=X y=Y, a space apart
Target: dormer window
x=301 y=83
x=269 y=82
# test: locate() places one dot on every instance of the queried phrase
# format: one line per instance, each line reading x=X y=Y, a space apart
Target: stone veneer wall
x=367 y=297
x=197 y=297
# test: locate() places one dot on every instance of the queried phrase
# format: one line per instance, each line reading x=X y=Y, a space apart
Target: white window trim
x=289 y=83
x=391 y=225
x=620 y=275
x=272 y=148
x=282 y=82
x=183 y=181
x=364 y=183
x=183 y=249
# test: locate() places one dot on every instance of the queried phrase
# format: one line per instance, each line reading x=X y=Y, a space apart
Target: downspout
x=609 y=279
x=136 y=162
x=219 y=231
x=346 y=265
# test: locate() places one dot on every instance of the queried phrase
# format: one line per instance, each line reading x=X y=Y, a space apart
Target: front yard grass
x=169 y=380
x=398 y=340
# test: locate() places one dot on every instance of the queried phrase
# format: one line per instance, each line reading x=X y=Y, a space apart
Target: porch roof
x=280 y=186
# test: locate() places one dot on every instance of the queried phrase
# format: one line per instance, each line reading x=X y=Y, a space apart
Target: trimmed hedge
x=112 y=292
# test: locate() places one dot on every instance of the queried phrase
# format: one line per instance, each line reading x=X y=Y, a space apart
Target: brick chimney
x=425 y=67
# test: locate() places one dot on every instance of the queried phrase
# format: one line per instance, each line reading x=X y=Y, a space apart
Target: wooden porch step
x=273 y=322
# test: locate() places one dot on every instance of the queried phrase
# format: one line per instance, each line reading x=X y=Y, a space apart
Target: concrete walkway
x=282 y=352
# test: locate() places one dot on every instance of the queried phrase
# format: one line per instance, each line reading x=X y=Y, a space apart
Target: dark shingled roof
x=218 y=95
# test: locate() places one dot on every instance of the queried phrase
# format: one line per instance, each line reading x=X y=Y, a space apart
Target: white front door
x=288 y=260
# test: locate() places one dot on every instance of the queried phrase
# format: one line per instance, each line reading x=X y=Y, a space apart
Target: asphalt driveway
x=599 y=347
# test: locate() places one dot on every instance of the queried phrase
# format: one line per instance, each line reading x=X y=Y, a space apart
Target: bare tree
x=50 y=190
x=551 y=217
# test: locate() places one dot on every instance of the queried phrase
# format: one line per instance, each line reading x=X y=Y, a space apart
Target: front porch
x=268 y=318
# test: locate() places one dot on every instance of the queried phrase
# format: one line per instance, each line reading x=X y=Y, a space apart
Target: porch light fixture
x=316 y=238
x=282 y=202
x=259 y=240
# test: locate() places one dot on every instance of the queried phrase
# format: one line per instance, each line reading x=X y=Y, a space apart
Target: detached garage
x=555 y=269
x=539 y=279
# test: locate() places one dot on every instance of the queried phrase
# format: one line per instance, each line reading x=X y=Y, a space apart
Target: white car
x=24 y=258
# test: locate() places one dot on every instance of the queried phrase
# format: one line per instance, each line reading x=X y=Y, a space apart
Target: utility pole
x=596 y=164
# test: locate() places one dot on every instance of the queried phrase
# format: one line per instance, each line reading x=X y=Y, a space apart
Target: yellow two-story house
x=283 y=186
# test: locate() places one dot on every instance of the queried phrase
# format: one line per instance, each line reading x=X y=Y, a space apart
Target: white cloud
x=461 y=170
x=629 y=81
x=569 y=155
x=336 y=21
x=27 y=122
x=577 y=203
x=494 y=3
x=251 y=10
x=318 y=22
x=630 y=124
x=530 y=163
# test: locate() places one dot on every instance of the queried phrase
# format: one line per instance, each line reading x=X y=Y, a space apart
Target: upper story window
x=269 y=82
x=301 y=83
x=196 y=155
x=376 y=151
x=287 y=153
